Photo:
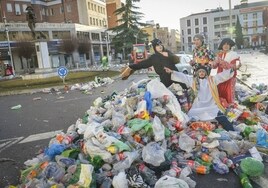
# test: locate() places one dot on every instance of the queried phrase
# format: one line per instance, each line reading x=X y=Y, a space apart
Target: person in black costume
x=160 y=59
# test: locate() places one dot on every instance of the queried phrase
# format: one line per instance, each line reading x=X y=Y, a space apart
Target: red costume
x=227 y=88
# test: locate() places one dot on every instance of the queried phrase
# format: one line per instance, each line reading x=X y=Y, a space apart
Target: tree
x=25 y=48
x=69 y=45
x=84 y=47
x=238 y=34
x=129 y=28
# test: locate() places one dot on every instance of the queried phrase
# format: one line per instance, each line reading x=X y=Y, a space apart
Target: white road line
x=40 y=136
x=9 y=142
x=61 y=100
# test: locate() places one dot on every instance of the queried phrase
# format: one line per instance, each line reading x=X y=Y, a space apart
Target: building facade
x=57 y=19
x=216 y=24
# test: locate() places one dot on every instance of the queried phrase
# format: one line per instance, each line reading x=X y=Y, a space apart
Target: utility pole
x=8 y=41
x=230 y=20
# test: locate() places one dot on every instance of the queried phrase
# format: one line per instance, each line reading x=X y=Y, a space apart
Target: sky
x=168 y=12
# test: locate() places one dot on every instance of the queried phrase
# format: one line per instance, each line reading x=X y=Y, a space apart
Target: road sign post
x=62 y=72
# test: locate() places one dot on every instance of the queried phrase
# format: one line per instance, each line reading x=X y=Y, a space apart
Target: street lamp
x=9 y=48
x=230 y=19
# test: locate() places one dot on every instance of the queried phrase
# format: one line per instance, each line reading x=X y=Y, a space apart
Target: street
x=26 y=131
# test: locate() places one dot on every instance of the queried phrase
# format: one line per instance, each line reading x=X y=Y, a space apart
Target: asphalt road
x=52 y=113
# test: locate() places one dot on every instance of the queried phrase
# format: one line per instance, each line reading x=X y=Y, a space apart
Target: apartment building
x=111 y=6
x=216 y=24
x=58 y=19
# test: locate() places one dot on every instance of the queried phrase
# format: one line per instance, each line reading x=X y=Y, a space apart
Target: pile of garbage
x=142 y=137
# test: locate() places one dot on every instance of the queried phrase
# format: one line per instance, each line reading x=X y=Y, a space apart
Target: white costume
x=204 y=107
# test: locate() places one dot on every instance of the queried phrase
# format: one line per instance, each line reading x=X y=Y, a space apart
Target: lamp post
x=230 y=19
x=8 y=41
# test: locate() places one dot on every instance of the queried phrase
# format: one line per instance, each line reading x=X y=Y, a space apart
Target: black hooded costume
x=158 y=61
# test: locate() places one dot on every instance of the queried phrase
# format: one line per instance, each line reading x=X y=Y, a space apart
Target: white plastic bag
x=158 y=129
x=168 y=182
x=120 y=180
x=153 y=153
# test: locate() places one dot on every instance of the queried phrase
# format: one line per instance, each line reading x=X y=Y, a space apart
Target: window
x=255 y=15
x=90 y=21
x=24 y=6
x=189 y=31
x=188 y=23
x=69 y=8
x=197 y=30
x=196 y=21
x=182 y=32
x=61 y=10
x=245 y=25
x=216 y=19
x=217 y=26
x=205 y=29
x=95 y=36
x=93 y=21
x=17 y=9
x=51 y=12
x=43 y=11
x=100 y=22
x=205 y=20
x=9 y=7
x=189 y=39
x=95 y=8
x=245 y=16
x=88 y=4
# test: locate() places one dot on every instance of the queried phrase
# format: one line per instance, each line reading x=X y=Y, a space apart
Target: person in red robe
x=226 y=59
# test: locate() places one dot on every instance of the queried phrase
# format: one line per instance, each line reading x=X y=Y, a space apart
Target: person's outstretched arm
x=180 y=77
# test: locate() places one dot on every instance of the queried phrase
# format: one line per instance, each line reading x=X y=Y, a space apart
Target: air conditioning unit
x=18 y=13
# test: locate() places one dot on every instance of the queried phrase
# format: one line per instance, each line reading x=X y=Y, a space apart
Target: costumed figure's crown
x=199 y=66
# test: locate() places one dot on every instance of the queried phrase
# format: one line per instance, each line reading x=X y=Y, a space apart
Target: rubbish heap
x=141 y=137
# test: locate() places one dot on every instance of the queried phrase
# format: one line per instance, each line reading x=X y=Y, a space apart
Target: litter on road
x=142 y=137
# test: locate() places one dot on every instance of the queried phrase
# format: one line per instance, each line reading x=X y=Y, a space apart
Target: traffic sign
x=62 y=71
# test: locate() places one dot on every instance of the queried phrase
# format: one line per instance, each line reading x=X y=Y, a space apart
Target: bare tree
x=68 y=46
x=84 y=47
x=25 y=48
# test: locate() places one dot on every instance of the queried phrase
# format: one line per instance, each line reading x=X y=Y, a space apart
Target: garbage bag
x=262 y=138
x=153 y=154
x=167 y=181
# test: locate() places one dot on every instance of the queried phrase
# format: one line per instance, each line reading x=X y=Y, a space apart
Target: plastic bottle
x=69 y=137
x=225 y=160
x=147 y=174
x=16 y=107
x=220 y=167
x=205 y=157
x=194 y=165
x=208 y=164
x=244 y=180
x=201 y=169
x=126 y=163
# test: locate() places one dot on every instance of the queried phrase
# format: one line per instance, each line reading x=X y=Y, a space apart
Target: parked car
x=184 y=66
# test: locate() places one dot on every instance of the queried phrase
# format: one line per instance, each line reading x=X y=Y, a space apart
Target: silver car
x=184 y=65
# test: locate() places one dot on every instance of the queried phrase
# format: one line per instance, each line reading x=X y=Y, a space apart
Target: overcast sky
x=168 y=12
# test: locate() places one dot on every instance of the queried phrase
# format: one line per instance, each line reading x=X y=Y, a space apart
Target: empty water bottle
x=147 y=174
x=220 y=167
x=225 y=160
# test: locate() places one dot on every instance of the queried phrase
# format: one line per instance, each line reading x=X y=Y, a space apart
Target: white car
x=184 y=65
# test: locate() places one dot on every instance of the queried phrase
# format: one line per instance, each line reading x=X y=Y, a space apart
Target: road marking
x=5 y=143
x=71 y=99
x=40 y=136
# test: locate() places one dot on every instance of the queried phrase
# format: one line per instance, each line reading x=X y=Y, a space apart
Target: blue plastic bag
x=262 y=138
